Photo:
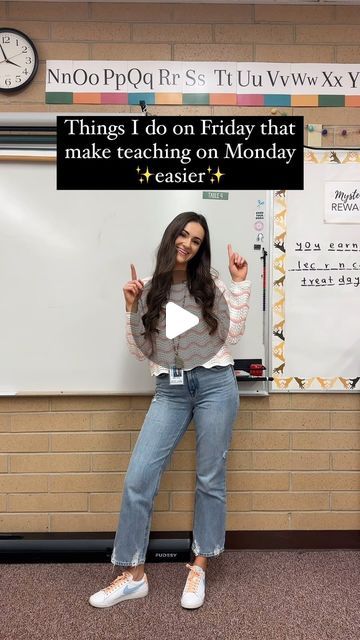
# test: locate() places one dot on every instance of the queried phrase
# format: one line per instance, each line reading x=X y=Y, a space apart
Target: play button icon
x=181 y=327
x=178 y=320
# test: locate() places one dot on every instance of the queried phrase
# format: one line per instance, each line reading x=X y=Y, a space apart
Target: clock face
x=18 y=60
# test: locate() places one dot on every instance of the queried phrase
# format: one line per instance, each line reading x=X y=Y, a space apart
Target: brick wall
x=294 y=462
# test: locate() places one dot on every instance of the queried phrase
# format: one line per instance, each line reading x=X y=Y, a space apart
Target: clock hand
x=14 y=63
x=16 y=54
x=4 y=54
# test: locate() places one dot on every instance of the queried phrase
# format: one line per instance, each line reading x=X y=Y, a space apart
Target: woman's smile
x=182 y=251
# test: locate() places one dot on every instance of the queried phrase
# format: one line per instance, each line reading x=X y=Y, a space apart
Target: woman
x=207 y=392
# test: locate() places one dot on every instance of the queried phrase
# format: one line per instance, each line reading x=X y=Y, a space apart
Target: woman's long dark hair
x=200 y=280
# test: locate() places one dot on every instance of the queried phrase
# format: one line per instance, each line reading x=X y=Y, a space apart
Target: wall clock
x=19 y=60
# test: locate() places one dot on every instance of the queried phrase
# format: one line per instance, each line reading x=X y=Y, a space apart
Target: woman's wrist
x=132 y=308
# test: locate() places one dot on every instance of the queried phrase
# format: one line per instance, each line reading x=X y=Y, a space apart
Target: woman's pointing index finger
x=133 y=272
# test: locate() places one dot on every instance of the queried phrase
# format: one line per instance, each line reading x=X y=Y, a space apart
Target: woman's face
x=188 y=243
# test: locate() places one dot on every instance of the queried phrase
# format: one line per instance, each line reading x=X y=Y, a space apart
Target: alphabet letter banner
x=256 y=84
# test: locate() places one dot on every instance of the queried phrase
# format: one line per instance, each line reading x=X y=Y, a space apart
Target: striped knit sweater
x=196 y=347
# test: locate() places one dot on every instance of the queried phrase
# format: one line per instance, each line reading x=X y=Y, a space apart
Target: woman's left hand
x=238 y=266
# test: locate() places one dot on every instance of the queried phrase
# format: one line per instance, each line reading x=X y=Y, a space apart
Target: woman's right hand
x=132 y=291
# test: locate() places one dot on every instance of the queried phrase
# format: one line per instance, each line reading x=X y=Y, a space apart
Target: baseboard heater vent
x=86 y=547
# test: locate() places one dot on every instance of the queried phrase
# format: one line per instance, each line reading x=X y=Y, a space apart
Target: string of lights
x=324 y=130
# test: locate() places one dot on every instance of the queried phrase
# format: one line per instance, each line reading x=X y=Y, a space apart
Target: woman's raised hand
x=238 y=266
x=132 y=291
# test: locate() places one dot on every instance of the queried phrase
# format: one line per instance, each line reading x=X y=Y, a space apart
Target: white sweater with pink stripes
x=231 y=326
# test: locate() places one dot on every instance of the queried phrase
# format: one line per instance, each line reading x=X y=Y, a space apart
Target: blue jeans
x=211 y=397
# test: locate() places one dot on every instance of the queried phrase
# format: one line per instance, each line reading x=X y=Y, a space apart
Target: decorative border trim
x=223 y=99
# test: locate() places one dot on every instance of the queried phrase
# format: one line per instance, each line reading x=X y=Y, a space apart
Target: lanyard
x=179 y=362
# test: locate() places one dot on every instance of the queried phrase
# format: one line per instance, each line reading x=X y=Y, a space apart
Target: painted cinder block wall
x=294 y=462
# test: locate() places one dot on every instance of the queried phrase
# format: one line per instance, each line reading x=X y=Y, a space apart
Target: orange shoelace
x=193 y=580
x=125 y=576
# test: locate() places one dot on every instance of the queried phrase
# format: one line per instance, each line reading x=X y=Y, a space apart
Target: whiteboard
x=316 y=267
x=64 y=258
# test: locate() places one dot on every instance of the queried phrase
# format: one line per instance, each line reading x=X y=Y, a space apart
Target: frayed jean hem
x=127 y=564
x=216 y=553
x=134 y=562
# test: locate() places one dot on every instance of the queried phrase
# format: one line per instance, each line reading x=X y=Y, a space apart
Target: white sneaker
x=124 y=587
x=194 y=592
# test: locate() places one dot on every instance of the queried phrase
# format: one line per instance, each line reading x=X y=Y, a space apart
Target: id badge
x=176 y=376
